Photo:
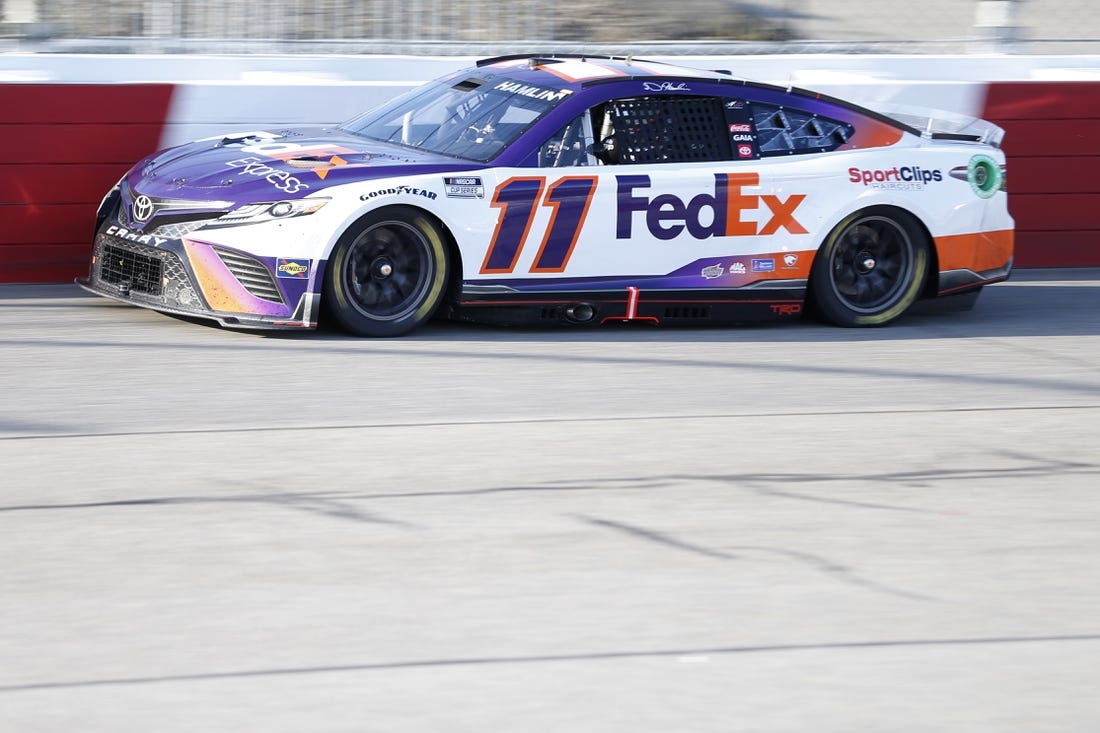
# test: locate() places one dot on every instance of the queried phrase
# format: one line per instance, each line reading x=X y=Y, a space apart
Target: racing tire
x=871 y=268
x=387 y=274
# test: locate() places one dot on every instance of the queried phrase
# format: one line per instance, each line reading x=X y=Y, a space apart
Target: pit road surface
x=781 y=528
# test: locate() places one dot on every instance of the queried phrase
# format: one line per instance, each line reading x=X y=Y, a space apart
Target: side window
x=571 y=145
x=787 y=131
x=660 y=129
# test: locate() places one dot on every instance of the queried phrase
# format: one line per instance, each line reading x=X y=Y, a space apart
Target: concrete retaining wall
x=73 y=124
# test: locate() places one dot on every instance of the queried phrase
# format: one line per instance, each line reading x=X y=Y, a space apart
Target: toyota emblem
x=142 y=208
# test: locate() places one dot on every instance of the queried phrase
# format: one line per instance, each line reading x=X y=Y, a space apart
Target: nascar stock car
x=565 y=189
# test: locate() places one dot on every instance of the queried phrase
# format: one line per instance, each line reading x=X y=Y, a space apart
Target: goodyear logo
x=292 y=268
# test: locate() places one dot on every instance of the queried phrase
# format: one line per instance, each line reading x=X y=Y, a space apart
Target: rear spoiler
x=943 y=125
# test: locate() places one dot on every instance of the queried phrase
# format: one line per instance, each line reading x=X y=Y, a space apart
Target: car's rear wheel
x=387 y=274
x=870 y=269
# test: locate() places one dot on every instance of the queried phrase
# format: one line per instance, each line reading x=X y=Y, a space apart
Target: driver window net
x=669 y=129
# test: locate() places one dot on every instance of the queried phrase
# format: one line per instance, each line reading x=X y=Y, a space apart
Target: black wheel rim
x=388 y=270
x=871 y=264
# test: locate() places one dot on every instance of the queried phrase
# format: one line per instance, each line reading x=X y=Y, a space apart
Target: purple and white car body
x=565 y=190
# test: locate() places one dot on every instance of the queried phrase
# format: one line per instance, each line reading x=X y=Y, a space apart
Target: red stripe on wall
x=44 y=224
x=1052 y=146
x=1050 y=175
x=1042 y=100
x=1056 y=212
x=77 y=142
x=44 y=263
x=1057 y=249
x=62 y=146
x=1050 y=138
x=85 y=103
x=54 y=183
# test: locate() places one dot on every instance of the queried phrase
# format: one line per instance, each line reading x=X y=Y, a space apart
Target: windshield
x=474 y=119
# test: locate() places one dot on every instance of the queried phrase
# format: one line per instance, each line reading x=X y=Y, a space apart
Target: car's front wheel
x=387 y=274
x=870 y=269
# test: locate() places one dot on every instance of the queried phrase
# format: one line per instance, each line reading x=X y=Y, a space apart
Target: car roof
x=574 y=71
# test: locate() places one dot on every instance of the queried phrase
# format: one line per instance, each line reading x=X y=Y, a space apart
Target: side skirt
x=663 y=307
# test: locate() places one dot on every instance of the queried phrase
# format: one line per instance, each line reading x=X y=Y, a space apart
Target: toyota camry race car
x=571 y=190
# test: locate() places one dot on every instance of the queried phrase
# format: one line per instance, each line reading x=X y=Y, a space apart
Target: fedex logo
x=725 y=213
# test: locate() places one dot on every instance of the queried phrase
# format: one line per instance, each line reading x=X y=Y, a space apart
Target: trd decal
x=786 y=309
x=518 y=200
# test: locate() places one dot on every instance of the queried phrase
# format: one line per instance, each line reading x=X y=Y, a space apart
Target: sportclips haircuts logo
x=729 y=212
x=905 y=178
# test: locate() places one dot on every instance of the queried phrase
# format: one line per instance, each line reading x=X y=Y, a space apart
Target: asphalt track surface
x=781 y=528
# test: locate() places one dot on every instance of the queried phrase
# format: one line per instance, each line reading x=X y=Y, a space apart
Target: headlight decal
x=270 y=211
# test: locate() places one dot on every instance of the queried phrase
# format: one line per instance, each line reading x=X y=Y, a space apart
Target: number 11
x=518 y=199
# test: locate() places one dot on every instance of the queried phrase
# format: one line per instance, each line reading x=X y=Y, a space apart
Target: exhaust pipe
x=580 y=313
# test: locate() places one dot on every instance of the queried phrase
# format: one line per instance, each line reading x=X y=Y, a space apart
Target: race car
x=569 y=190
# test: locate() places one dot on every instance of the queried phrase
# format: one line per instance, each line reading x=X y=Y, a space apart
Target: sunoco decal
x=293 y=269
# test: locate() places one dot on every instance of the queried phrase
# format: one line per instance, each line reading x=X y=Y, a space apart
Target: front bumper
x=200 y=280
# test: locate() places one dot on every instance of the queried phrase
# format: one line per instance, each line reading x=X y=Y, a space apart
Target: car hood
x=262 y=166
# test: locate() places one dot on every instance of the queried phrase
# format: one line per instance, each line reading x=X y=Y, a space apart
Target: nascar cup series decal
x=463 y=187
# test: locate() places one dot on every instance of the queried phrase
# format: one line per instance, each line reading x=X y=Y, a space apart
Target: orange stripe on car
x=979 y=251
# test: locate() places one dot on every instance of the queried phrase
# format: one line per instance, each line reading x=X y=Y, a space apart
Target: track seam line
x=539 y=420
